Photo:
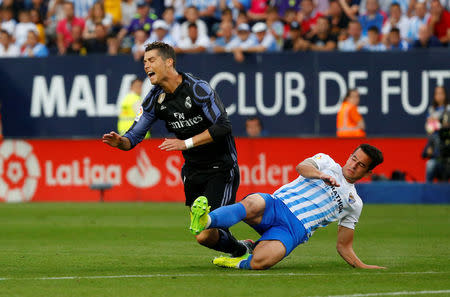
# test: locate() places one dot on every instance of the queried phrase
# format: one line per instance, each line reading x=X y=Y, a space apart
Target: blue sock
x=227 y=216
x=245 y=264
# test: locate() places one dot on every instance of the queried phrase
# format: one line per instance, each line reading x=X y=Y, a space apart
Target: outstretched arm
x=309 y=169
x=344 y=247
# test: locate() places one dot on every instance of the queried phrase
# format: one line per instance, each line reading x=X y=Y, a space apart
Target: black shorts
x=219 y=186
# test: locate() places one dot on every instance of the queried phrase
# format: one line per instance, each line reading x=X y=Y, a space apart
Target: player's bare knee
x=260 y=263
x=254 y=205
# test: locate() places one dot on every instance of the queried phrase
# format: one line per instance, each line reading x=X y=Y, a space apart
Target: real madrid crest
x=188 y=102
x=161 y=98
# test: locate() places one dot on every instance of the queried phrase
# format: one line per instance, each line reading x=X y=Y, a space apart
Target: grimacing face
x=357 y=166
x=155 y=66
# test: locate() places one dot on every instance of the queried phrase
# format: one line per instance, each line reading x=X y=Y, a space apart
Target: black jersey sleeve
x=213 y=109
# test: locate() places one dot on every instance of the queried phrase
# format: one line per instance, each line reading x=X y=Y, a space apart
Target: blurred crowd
x=38 y=28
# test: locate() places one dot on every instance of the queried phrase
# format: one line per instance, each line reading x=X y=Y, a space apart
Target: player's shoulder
x=323 y=161
x=152 y=98
x=199 y=87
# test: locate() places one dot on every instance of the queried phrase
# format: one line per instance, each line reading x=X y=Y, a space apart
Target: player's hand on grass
x=172 y=144
x=329 y=180
x=112 y=138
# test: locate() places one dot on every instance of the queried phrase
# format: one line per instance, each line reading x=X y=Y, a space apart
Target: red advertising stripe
x=64 y=170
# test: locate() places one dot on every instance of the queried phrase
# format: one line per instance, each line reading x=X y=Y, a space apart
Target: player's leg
x=250 y=210
x=281 y=232
x=220 y=189
x=265 y=255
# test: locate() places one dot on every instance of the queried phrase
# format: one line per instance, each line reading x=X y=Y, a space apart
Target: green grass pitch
x=145 y=249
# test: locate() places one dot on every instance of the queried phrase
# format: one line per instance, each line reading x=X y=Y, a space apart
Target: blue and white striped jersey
x=316 y=204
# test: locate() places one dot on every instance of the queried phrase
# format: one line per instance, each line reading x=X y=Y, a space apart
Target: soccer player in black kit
x=192 y=110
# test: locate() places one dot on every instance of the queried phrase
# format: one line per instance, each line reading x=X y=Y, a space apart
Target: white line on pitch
x=391 y=294
x=157 y=275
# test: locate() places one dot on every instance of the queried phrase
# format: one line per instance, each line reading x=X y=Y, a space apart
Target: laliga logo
x=144 y=174
x=19 y=171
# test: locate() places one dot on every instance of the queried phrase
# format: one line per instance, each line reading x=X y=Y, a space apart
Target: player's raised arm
x=309 y=169
x=344 y=247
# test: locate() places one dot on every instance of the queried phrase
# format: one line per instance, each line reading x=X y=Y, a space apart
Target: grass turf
x=152 y=240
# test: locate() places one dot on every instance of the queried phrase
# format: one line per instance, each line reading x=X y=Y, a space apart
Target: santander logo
x=19 y=171
x=144 y=174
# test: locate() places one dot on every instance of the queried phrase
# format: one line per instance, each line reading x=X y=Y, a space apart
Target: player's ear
x=169 y=62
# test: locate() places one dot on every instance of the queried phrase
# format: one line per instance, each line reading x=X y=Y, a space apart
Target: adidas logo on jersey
x=163 y=107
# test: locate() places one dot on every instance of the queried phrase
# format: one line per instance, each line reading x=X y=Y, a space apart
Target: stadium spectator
x=354 y=41
x=82 y=7
x=138 y=49
x=274 y=25
x=307 y=17
x=235 y=6
x=324 y=192
x=40 y=6
x=193 y=43
x=373 y=17
x=383 y=6
x=338 y=19
x=36 y=19
x=350 y=8
x=289 y=17
x=226 y=36
x=64 y=28
x=96 y=16
x=55 y=14
x=161 y=33
x=32 y=47
x=99 y=44
x=129 y=107
x=294 y=38
x=254 y=127
x=257 y=11
x=435 y=166
x=78 y=45
x=420 y=18
x=178 y=7
x=426 y=40
x=174 y=27
x=286 y=5
x=7 y=47
x=394 y=42
x=323 y=40
x=192 y=17
x=8 y=22
x=265 y=41
x=396 y=20
x=23 y=26
x=208 y=11
x=373 y=43
x=349 y=122
x=439 y=21
x=113 y=8
x=142 y=20
x=245 y=40
x=128 y=9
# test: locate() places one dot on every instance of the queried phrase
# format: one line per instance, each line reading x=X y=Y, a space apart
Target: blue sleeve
x=213 y=109
x=144 y=121
x=41 y=52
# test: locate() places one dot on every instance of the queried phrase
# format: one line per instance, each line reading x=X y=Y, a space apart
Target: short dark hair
x=190 y=25
x=375 y=155
x=395 y=30
x=164 y=50
x=374 y=29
